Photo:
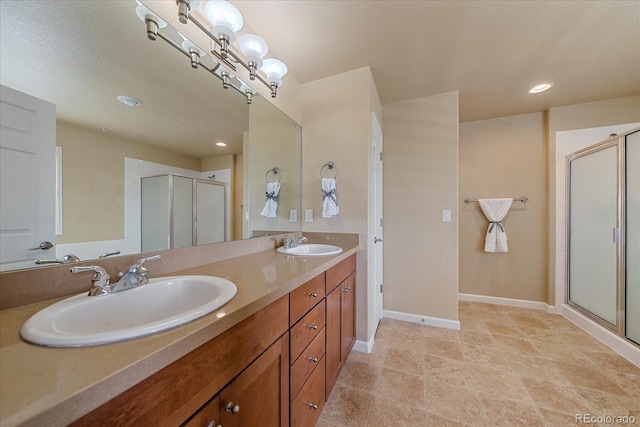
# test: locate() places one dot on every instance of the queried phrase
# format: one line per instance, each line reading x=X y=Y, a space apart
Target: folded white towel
x=329 y=202
x=495 y=210
x=271 y=203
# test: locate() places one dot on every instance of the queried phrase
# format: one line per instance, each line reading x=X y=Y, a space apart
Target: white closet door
x=593 y=218
x=632 y=309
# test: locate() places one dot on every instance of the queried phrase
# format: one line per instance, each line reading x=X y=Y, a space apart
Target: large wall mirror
x=81 y=55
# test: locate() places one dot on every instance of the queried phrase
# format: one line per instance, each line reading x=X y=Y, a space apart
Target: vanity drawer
x=305 y=297
x=339 y=272
x=307 y=406
x=306 y=330
x=306 y=363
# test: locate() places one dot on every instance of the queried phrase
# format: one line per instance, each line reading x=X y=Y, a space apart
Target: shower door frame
x=618 y=142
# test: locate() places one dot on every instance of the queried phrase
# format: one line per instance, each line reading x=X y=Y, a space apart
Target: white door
x=210 y=212
x=27 y=179
x=377 y=219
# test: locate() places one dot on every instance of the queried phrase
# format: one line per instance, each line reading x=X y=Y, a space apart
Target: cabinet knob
x=313 y=326
x=346 y=289
x=313 y=359
x=230 y=407
x=213 y=424
x=313 y=406
x=313 y=294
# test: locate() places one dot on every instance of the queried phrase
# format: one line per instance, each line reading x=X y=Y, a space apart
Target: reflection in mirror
x=81 y=55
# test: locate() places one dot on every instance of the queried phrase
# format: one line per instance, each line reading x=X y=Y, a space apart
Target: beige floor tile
x=557 y=419
x=506 y=412
x=347 y=407
x=441 y=333
x=392 y=413
x=440 y=421
x=532 y=366
x=556 y=397
x=481 y=338
x=359 y=374
x=611 y=404
x=491 y=357
x=562 y=353
x=455 y=403
x=442 y=371
x=443 y=348
x=514 y=344
x=528 y=321
x=613 y=362
x=630 y=383
x=497 y=384
x=407 y=341
x=322 y=423
x=402 y=387
x=588 y=377
x=504 y=329
x=405 y=361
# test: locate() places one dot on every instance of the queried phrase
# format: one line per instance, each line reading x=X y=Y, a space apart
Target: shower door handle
x=616 y=235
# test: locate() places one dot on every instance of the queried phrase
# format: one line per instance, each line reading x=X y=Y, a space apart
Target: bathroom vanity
x=268 y=357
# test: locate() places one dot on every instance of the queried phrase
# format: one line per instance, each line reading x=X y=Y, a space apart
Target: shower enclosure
x=604 y=233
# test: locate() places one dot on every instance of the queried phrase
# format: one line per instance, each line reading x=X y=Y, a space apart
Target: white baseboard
x=605 y=336
x=364 y=346
x=522 y=303
x=425 y=320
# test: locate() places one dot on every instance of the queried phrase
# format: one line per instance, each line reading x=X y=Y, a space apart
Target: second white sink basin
x=311 y=249
x=161 y=304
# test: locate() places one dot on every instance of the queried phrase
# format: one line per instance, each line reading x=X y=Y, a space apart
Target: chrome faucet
x=134 y=277
x=292 y=242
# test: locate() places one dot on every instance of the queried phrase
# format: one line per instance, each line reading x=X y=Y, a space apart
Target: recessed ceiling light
x=129 y=101
x=540 y=88
x=221 y=144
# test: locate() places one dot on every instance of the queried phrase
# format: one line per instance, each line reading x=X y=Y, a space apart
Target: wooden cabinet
x=275 y=368
x=340 y=312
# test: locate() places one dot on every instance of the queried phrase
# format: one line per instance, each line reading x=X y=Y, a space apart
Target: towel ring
x=329 y=165
x=274 y=171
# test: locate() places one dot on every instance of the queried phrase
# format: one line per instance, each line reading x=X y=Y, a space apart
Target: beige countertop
x=54 y=386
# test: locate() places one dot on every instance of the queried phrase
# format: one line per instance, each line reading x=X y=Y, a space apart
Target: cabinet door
x=207 y=416
x=348 y=311
x=259 y=396
x=334 y=303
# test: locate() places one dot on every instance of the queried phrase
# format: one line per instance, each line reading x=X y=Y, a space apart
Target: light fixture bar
x=200 y=65
x=185 y=5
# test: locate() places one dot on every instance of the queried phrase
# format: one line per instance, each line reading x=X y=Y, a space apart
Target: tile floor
x=507 y=366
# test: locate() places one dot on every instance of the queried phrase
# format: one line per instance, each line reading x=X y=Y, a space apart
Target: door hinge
x=380 y=222
x=381 y=156
x=380 y=288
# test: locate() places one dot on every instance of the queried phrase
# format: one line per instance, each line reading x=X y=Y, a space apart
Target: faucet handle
x=143 y=261
x=100 y=277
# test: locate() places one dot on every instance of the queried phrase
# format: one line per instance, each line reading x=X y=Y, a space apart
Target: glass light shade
x=224 y=18
x=143 y=12
x=188 y=44
x=253 y=48
x=275 y=70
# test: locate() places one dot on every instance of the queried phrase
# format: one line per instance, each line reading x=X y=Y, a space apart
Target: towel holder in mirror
x=274 y=171
x=329 y=165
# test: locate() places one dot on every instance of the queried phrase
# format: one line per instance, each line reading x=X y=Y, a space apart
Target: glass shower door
x=594 y=232
x=632 y=307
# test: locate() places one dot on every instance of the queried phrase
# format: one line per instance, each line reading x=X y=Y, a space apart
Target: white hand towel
x=271 y=203
x=495 y=210
x=329 y=202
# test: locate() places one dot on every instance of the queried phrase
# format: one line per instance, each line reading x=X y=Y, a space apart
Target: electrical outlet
x=308 y=215
x=293 y=215
x=446 y=215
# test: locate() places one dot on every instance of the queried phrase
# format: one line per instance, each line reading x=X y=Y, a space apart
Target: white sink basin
x=161 y=304
x=311 y=249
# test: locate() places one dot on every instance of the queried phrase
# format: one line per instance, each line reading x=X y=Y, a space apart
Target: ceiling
x=492 y=52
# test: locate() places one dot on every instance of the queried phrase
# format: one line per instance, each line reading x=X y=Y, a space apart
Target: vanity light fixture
x=225 y=19
x=248 y=91
x=195 y=53
x=129 y=101
x=540 y=88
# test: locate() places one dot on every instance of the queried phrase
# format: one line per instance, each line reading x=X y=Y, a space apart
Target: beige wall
x=421 y=180
x=337 y=127
x=579 y=116
x=93 y=180
x=217 y=163
x=504 y=157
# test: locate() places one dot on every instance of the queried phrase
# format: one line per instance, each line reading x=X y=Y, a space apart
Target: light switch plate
x=293 y=215
x=308 y=215
x=446 y=215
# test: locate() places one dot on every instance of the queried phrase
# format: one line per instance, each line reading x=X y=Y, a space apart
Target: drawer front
x=305 y=297
x=306 y=363
x=339 y=272
x=306 y=330
x=307 y=406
